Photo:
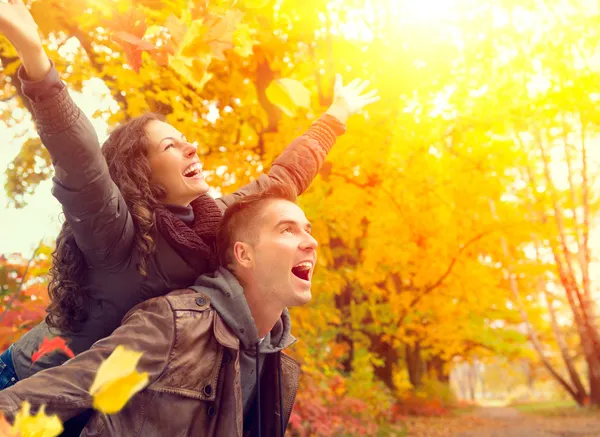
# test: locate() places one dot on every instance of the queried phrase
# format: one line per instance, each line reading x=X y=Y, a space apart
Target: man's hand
x=18 y=26
x=347 y=100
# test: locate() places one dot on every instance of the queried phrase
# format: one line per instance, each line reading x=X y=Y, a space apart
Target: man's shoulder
x=184 y=299
x=187 y=299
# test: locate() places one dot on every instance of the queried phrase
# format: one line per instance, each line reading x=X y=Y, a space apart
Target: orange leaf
x=220 y=34
x=47 y=346
x=129 y=30
x=6 y=429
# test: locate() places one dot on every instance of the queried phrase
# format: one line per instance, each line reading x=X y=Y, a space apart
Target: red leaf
x=129 y=38
x=47 y=346
x=128 y=31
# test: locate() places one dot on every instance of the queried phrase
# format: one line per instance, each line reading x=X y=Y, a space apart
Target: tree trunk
x=435 y=370
x=389 y=356
x=414 y=364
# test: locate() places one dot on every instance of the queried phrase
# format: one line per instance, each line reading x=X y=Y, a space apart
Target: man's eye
x=287 y=230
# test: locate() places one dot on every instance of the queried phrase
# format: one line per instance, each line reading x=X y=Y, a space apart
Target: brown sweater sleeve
x=92 y=203
x=299 y=163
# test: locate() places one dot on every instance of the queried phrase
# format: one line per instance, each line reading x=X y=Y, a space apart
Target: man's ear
x=243 y=254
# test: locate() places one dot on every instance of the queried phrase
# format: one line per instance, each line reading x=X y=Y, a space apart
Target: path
x=504 y=422
x=508 y=422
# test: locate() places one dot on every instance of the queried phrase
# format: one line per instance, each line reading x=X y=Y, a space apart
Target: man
x=199 y=344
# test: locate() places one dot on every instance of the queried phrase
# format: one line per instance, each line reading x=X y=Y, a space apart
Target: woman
x=139 y=221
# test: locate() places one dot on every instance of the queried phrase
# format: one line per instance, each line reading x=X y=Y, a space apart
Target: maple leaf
x=177 y=29
x=220 y=32
x=117 y=380
x=6 y=429
x=287 y=95
x=129 y=30
x=40 y=425
x=47 y=346
x=193 y=42
x=193 y=70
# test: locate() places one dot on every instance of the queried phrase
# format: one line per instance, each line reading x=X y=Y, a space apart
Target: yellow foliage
x=288 y=94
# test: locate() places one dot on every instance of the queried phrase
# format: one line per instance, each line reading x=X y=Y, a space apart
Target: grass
x=464 y=410
x=554 y=408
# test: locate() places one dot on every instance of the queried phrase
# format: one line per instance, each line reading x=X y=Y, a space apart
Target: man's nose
x=309 y=242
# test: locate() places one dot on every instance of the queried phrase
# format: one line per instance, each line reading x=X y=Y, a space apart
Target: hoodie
x=228 y=299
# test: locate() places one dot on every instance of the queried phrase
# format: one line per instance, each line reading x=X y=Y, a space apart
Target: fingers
x=371 y=100
x=354 y=83
x=370 y=94
x=337 y=86
x=362 y=86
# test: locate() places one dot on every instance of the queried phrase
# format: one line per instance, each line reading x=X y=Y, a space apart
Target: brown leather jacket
x=192 y=358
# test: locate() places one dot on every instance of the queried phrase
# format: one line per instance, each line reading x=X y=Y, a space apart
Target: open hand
x=18 y=26
x=347 y=100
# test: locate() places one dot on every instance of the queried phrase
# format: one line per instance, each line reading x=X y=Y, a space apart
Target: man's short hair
x=242 y=219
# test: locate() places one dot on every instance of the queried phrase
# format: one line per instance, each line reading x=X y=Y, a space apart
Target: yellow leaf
x=112 y=397
x=192 y=70
x=243 y=41
x=153 y=30
x=177 y=28
x=287 y=95
x=220 y=32
x=39 y=425
x=117 y=380
x=193 y=42
x=256 y=4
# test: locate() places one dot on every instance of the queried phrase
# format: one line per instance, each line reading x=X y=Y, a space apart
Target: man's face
x=285 y=254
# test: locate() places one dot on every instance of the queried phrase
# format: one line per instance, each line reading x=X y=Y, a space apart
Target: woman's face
x=174 y=163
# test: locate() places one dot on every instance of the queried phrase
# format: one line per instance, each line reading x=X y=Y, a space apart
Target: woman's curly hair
x=125 y=152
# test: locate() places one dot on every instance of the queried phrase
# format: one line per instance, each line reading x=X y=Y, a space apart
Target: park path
x=508 y=422
x=504 y=422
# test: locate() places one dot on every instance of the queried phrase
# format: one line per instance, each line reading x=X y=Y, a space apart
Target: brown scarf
x=196 y=243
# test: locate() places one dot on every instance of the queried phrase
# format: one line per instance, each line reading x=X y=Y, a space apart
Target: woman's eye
x=168 y=146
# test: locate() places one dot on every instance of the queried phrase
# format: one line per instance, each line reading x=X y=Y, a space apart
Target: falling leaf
x=6 y=429
x=117 y=380
x=39 y=425
x=287 y=95
x=47 y=346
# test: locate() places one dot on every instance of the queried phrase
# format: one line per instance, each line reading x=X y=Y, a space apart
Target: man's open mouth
x=302 y=270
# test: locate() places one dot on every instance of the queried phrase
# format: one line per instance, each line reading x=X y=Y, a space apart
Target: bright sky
x=23 y=228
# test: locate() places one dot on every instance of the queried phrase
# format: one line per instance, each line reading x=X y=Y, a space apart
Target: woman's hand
x=18 y=26
x=347 y=100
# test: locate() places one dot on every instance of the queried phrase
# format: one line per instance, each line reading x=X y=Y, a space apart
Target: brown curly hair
x=125 y=152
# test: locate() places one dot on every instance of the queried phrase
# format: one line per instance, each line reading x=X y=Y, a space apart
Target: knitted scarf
x=195 y=243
